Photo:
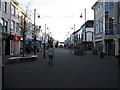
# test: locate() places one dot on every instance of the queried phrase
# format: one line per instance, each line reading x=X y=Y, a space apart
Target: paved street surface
x=68 y=71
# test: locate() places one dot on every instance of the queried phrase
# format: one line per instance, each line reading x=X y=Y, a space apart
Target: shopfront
x=15 y=44
x=5 y=43
x=110 y=47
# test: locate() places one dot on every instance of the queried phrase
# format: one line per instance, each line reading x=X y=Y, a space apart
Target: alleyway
x=68 y=71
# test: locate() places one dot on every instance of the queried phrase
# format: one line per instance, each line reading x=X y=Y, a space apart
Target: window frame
x=5 y=7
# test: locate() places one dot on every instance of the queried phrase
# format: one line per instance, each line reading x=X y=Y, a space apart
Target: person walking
x=50 y=55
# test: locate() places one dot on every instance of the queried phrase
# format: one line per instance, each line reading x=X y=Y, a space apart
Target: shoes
x=48 y=63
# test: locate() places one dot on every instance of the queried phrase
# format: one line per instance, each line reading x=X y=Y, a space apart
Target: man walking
x=50 y=54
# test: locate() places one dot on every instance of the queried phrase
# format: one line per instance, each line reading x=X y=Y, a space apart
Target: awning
x=17 y=38
x=36 y=41
x=28 y=39
x=4 y=35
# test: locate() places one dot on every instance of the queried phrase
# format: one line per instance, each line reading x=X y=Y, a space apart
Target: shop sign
x=99 y=36
x=17 y=38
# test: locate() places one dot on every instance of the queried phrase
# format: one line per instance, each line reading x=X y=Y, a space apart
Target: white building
x=12 y=20
x=86 y=34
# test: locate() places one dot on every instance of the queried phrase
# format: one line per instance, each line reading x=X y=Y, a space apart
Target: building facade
x=12 y=19
x=104 y=26
x=5 y=31
x=86 y=34
x=117 y=28
x=16 y=27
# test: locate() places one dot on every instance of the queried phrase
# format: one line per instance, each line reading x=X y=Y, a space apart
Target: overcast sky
x=60 y=15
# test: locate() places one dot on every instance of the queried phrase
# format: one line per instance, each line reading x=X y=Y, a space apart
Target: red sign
x=17 y=38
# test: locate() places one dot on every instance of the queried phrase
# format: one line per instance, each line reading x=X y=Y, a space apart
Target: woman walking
x=50 y=54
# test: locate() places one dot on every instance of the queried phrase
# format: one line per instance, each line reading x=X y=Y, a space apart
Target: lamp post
x=35 y=31
x=44 y=46
x=70 y=40
x=74 y=37
x=85 y=26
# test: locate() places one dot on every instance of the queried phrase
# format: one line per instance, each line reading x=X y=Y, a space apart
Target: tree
x=25 y=25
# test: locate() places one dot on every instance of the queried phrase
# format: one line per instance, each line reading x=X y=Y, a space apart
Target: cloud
x=69 y=16
x=47 y=16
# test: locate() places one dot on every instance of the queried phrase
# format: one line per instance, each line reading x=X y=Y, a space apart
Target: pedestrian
x=50 y=55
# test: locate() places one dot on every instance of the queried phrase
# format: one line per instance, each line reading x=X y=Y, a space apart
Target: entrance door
x=7 y=47
x=110 y=47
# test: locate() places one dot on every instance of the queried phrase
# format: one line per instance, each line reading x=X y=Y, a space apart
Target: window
x=96 y=11
x=4 y=25
x=13 y=26
x=13 y=10
x=2 y=22
x=17 y=28
x=18 y=14
x=5 y=7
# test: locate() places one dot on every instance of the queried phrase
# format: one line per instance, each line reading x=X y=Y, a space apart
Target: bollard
x=101 y=55
x=3 y=66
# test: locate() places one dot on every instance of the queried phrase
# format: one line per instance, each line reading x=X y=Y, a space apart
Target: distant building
x=88 y=26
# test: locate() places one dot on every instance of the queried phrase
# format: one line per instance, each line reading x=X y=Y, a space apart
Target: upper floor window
x=5 y=7
x=17 y=28
x=13 y=25
x=4 y=25
x=2 y=22
x=13 y=10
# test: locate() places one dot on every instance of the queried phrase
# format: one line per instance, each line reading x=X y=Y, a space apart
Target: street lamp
x=85 y=26
x=35 y=31
x=74 y=37
x=44 y=46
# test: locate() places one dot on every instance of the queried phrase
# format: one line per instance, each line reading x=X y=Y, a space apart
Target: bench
x=13 y=59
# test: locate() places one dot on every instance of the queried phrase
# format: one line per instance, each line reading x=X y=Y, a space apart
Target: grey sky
x=60 y=15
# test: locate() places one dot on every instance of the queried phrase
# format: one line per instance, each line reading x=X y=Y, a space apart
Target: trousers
x=50 y=59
